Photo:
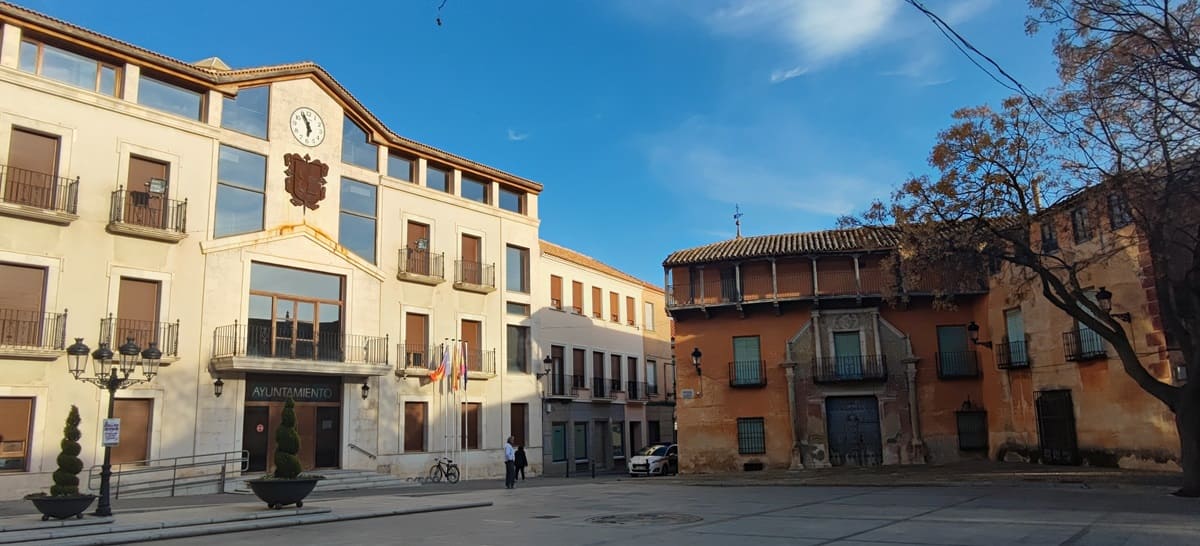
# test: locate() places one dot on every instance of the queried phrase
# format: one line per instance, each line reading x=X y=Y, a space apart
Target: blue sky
x=646 y=120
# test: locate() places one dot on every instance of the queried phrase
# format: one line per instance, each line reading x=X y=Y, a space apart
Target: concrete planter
x=279 y=493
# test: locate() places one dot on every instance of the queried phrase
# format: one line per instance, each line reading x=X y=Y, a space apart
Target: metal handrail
x=363 y=451
x=150 y=466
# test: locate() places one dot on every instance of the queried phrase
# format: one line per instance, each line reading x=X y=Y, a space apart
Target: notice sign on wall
x=112 y=432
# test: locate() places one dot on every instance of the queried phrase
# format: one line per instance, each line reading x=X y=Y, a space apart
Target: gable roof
x=592 y=263
x=226 y=81
x=834 y=241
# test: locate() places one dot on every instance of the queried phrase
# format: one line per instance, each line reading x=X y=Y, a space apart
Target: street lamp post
x=108 y=377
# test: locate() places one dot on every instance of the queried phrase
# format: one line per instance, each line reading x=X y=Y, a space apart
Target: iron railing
x=33 y=329
x=1083 y=344
x=561 y=384
x=605 y=388
x=419 y=356
x=41 y=190
x=187 y=471
x=469 y=272
x=422 y=262
x=635 y=390
x=260 y=341
x=115 y=331
x=747 y=373
x=146 y=209
x=1012 y=355
x=849 y=368
x=957 y=364
x=652 y=390
x=481 y=360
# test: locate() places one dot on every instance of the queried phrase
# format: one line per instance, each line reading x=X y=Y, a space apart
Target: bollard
x=593 y=469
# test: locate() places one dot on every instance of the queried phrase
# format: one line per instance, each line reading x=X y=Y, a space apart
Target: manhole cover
x=648 y=518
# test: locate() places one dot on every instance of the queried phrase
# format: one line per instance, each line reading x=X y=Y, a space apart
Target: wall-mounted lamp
x=696 y=354
x=973 y=330
x=1104 y=299
x=366 y=390
x=218 y=387
x=547 y=365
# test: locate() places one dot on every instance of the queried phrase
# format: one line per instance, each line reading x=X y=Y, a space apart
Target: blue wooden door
x=854 y=437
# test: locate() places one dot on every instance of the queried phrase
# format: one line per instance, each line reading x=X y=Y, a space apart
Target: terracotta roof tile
x=786 y=244
x=591 y=263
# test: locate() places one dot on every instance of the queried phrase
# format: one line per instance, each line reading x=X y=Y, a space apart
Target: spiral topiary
x=287 y=444
x=66 y=479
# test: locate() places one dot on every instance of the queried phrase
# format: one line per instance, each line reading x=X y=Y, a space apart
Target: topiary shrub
x=66 y=478
x=287 y=444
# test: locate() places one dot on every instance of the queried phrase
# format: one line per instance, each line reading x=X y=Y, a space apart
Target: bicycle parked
x=443 y=467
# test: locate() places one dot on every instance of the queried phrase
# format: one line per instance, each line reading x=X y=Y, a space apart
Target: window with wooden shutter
x=135 y=414
x=471 y=420
x=146 y=193
x=577 y=296
x=16 y=420
x=32 y=171
x=415 y=414
x=597 y=302
x=614 y=306
x=137 y=312
x=556 y=291
x=630 y=311
x=22 y=296
x=417 y=353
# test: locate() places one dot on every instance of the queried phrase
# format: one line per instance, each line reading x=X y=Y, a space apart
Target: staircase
x=335 y=480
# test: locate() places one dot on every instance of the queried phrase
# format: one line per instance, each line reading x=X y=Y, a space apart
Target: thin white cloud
x=780 y=76
x=820 y=30
x=516 y=136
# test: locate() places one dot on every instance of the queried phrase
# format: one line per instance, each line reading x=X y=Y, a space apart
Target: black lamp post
x=547 y=365
x=108 y=377
x=973 y=330
x=1104 y=300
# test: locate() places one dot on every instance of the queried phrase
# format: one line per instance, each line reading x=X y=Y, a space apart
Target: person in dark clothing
x=522 y=462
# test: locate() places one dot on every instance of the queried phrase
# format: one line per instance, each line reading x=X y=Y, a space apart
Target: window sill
x=134 y=230
x=31 y=353
x=39 y=214
x=418 y=278
x=413 y=372
x=476 y=288
x=480 y=375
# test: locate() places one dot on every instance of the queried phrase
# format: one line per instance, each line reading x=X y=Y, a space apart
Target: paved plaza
x=661 y=512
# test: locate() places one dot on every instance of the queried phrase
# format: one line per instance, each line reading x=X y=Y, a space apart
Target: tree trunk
x=1187 y=423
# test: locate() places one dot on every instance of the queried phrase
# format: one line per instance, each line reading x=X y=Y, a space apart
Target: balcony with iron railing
x=474 y=276
x=604 y=389
x=850 y=369
x=1082 y=344
x=422 y=266
x=562 y=385
x=265 y=349
x=115 y=331
x=635 y=391
x=38 y=196
x=481 y=363
x=148 y=215
x=957 y=364
x=748 y=373
x=32 y=334
x=417 y=358
x=1012 y=355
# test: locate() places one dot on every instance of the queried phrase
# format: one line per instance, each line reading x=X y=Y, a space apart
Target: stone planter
x=61 y=507
x=279 y=493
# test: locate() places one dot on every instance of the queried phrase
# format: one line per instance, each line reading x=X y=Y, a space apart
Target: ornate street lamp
x=1104 y=300
x=218 y=387
x=696 y=354
x=547 y=365
x=973 y=330
x=109 y=378
x=366 y=390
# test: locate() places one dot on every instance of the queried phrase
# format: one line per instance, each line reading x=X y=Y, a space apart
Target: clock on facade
x=307 y=126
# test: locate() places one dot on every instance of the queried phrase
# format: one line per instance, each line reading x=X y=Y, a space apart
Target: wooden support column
x=775 y=288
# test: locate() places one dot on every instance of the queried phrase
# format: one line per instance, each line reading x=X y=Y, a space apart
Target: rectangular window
x=241 y=179
x=518 y=349
x=69 y=68
x=16 y=420
x=1118 y=211
x=614 y=369
x=955 y=357
x=22 y=322
x=31 y=176
x=247 y=111
x=1081 y=224
x=558 y=442
x=630 y=311
x=417 y=257
x=146 y=198
x=518 y=421
x=1049 y=236
x=581 y=442
x=516 y=274
x=597 y=302
x=415 y=416
x=356 y=146
x=513 y=201
x=475 y=190
x=356 y=228
x=747 y=362
x=751 y=436
x=579 y=366
x=598 y=364
x=400 y=166
x=170 y=98
x=294 y=313
x=618 y=440
x=471 y=333
x=614 y=306
x=134 y=414
x=137 y=312
x=514 y=308
x=651 y=377
x=438 y=178
x=416 y=341
x=470 y=424
x=653 y=432
x=648 y=315
x=471 y=268
x=577 y=297
x=556 y=292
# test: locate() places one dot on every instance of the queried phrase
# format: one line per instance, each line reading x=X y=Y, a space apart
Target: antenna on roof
x=737 y=219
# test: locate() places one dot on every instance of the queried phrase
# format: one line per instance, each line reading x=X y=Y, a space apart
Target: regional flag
x=440 y=371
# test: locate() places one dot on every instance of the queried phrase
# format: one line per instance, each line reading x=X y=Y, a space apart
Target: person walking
x=510 y=470
x=521 y=463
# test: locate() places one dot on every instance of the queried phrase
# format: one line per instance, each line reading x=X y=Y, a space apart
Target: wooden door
x=146 y=195
x=256 y=435
x=472 y=268
x=21 y=297
x=416 y=341
x=135 y=414
x=518 y=423
x=328 y=439
x=415 y=418
x=472 y=334
x=418 y=248
x=137 y=312
x=32 y=170
x=854 y=433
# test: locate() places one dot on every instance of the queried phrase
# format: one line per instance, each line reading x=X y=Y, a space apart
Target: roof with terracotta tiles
x=224 y=81
x=836 y=241
x=592 y=263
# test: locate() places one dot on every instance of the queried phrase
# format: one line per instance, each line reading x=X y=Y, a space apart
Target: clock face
x=307 y=127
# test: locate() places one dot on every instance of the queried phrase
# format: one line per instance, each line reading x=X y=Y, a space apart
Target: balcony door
x=746 y=358
x=146 y=195
x=418 y=249
x=32 y=170
x=847 y=353
x=137 y=312
x=21 y=298
x=472 y=334
x=294 y=314
x=472 y=258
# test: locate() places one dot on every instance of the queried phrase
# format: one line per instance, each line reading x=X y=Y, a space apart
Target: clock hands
x=306 y=124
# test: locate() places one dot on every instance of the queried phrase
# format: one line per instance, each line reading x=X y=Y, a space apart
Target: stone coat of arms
x=305 y=180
